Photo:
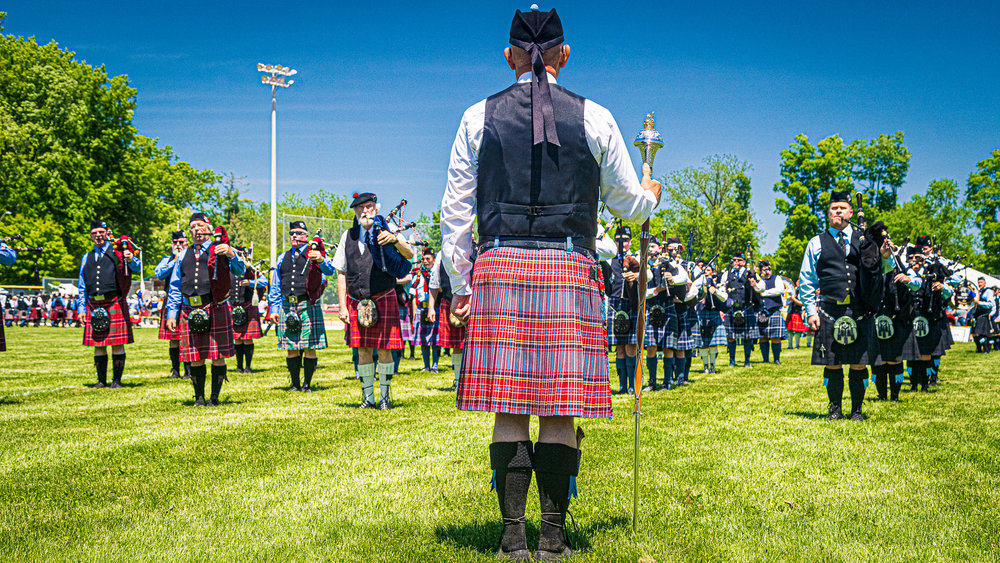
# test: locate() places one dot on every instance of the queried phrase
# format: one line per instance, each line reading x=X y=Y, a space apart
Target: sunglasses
x=298 y=233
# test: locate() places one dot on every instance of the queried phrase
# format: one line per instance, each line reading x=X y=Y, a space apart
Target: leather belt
x=582 y=246
x=297 y=298
x=197 y=300
x=105 y=296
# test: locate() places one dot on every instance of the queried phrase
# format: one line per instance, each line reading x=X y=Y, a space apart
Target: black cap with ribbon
x=297 y=225
x=178 y=235
x=537 y=32
x=360 y=198
x=98 y=224
x=840 y=197
x=199 y=216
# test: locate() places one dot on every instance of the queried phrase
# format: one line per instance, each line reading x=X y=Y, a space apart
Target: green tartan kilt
x=313 y=335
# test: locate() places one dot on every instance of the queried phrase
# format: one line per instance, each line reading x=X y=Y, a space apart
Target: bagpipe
x=199 y=319
x=20 y=248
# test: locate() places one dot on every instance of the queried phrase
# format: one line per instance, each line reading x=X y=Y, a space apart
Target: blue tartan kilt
x=775 y=327
x=657 y=336
x=616 y=304
x=718 y=338
x=748 y=330
x=426 y=334
x=684 y=337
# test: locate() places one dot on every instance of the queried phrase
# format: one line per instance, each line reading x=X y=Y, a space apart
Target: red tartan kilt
x=385 y=335
x=120 y=331
x=36 y=313
x=58 y=313
x=794 y=323
x=250 y=330
x=215 y=344
x=164 y=333
x=449 y=336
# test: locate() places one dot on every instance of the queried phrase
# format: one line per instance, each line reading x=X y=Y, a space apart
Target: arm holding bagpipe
x=318 y=256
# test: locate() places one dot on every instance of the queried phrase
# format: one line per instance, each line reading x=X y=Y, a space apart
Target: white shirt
x=620 y=189
x=435 y=281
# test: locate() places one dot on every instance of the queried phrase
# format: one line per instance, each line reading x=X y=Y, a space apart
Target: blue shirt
x=7 y=255
x=165 y=268
x=274 y=296
x=81 y=284
x=174 y=297
x=809 y=280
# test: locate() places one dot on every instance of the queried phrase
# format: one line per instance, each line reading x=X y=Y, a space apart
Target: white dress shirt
x=620 y=189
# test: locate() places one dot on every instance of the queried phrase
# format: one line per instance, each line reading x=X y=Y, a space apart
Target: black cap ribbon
x=542 y=32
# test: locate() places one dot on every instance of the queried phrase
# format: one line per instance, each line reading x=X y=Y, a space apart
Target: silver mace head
x=648 y=141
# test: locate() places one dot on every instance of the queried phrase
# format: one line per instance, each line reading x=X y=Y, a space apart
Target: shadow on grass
x=809 y=415
x=447 y=389
x=484 y=537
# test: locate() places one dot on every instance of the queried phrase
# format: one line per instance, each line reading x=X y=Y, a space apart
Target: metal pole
x=274 y=179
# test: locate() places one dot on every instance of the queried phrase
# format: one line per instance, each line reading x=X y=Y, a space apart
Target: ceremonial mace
x=648 y=141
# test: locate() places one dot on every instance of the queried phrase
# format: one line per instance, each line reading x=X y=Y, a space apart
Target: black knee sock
x=117 y=367
x=630 y=370
x=895 y=376
x=776 y=351
x=248 y=354
x=747 y=350
x=881 y=380
x=425 y=353
x=187 y=370
x=198 y=380
x=218 y=376
x=239 y=356
x=856 y=381
x=918 y=374
x=834 y=385
x=651 y=370
x=512 y=464
x=435 y=356
x=765 y=352
x=175 y=359
x=294 y=364
x=101 y=363
x=731 y=346
x=309 y=364
x=622 y=377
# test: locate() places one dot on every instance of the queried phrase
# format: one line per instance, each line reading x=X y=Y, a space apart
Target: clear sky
x=381 y=86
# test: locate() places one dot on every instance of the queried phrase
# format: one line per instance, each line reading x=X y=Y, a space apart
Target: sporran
x=293 y=324
x=739 y=318
x=845 y=331
x=884 y=328
x=367 y=313
x=657 y=316
x=240 y=317
x=921 y=326
x=100 y=320
x=622 y=323
x=199 y=321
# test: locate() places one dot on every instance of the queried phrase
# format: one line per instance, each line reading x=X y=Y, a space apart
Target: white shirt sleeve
x=435 y=281
x=340 y=256
x=620 y=188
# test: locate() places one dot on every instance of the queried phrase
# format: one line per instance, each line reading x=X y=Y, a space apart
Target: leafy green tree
x=940 y=212
x=880 y=166
x=52 y=260
x=982 y=197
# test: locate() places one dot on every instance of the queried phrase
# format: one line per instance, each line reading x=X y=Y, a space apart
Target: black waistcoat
x=897 y=299
x=364 y=279
x=99 y=275
x=773 y=302
x=292 y=280
x=195 y=279
x=738 y=289
x=445 y=283
x=540 y=190
x=837 y=273
x=240 y=293
x=614 y=288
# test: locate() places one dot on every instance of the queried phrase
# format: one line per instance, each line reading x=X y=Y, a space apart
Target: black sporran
x=707 y=329
x=657 y=316
x=293 y=324
x=240 y=317
x=199 y=321
x=100 y=320
x=763 y=317
x=739 y=318
x=622 y=323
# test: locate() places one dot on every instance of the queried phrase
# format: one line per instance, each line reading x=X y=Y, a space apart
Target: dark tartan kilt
x=827 y=352
x=902 y=347
x=426 y=333
x=58 y=313
x=3 y=339
x=449 y=336
x=684 y=338
x=718 y=337
x=313 y=333
x=385 y=335
x=251 y=329
x=938 y=340
x=405 y=324
x=984 y=326
x=775 y=327
x=658 y=336
x=216 y=344
x=535 y=343
x=794 y=323
x=120 y=331
x=165 y=334
x=749 y=329
x=616 y=304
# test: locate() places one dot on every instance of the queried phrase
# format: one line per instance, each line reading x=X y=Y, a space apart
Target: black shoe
x=213 y=402
x=293 y=388
x=115 y=385
x=777 y=362
x=199 y=402
x=366 y=404
x=881 y=398
x=835 y=413
x=100 y=385
x=307 y=389
x=174 y=374
x=857 y=416
x=925 y=389
x=384 y=404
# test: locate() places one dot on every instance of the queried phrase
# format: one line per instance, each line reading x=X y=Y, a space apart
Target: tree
x=939 y=212
x=982 y=197
x=880 y=165
x=30 y=266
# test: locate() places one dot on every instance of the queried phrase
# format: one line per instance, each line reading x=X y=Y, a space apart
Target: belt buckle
x=195 y=300
x=99 y=298
x=846 y=301
x=293 y=299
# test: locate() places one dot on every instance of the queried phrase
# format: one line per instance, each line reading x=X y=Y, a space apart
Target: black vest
x=738 y=288
x=99 y=275
x=838 y=274
x=194 y=274
x=240 y=293
x=897 y=299
x=615 y=288
x=772 y=302
x=364 y=279
x=292 y=280
x=540 y=191
x=445 y=283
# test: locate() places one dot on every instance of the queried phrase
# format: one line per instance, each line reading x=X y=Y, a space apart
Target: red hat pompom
x=355 y=194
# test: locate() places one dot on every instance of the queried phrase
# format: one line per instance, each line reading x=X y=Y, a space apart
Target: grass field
x=740 y=465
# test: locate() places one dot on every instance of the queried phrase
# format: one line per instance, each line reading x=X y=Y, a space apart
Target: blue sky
x=381 y=87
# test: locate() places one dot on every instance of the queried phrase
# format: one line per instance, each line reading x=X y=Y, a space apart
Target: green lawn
x=740 y=465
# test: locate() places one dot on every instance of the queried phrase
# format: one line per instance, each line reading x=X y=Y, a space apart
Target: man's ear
x=565 y=56
x=510 y=60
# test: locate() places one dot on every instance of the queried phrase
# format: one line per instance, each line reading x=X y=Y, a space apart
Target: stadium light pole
x=274 y=76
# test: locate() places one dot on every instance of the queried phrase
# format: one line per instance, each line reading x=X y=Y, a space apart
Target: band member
x=58 y=310
x=451 y=334
x=295 y=295
x=405 y=322
x=685 y=285
x=104 y=281
x=7 y=257
x=427 y=325
x=711 y=330
x=623 y=309
x=794 y=323
x=769 y=322
x=35 y=314
x=931 y=324
x=246 y=315
x=738 y=282
x=983 y=326
x=197 y=307
x=533 y=161
x=894 y=335
x=163 y=271
x=660 y=315
x=363 y=285
x=845 y=265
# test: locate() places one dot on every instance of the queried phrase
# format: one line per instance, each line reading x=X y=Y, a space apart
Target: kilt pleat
x=749 y=329
x=775 y=327
x=216 y=344
x=165 y=334
x=902 y=346
x=535 y=341
x=794 y=323
x=616 y=304
x=938 y=340
x=251 y=329
x=657 y=336
x=718 y=337
x=449 y=336
x=385 y=335
x=120 y=331
x=405 y=324
x=313 y=333
x=683 y=338
x=426 y=333
x=828 y=352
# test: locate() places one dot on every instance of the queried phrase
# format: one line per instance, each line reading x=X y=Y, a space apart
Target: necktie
x=368 y=238
x=843 y=242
